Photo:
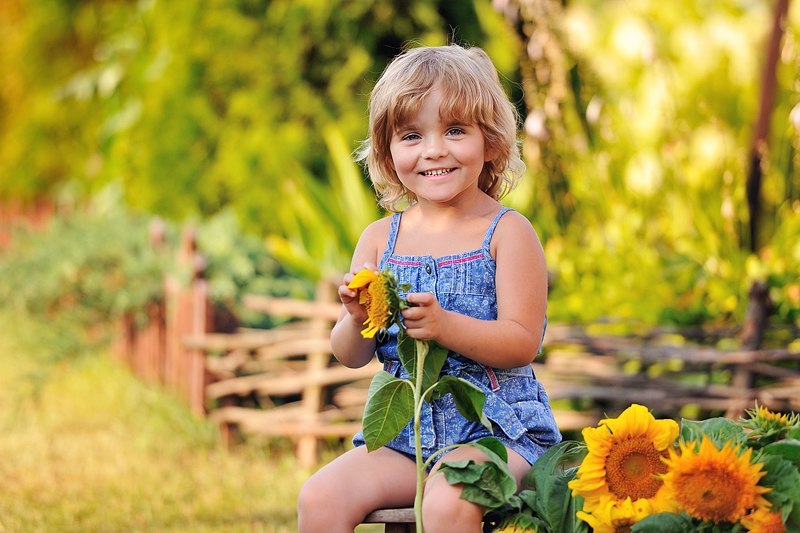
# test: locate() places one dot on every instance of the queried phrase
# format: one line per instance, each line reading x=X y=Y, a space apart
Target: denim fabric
x=516 y=402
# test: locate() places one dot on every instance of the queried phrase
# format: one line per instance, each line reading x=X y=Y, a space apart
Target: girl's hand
x=425 y=321
x=349 y=297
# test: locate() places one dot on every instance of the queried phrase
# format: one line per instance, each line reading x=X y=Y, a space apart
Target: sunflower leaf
x=789 y=449
x=719 y=430
x=487 y=484
x=784 y=480
x=658 y=523
x=489 y=446
x=390 y=406
x=551 y=497
x=468 y=398
x=408 y=350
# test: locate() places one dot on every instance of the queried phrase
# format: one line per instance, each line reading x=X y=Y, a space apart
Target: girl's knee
x=317 y=500
x=444 y=510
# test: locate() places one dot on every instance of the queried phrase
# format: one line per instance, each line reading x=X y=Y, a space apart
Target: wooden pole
x=758 y=308
x=758 y=148
x=317 y=362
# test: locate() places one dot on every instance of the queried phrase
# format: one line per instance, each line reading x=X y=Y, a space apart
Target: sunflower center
x=377 y=304
x=711 y=494
x=631 y=468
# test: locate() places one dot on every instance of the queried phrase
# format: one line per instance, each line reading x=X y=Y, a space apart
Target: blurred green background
x=639 y=121
x=241 y=116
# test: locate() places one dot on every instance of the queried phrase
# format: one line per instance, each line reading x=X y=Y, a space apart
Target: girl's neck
x=435 y=215
x=439 y=231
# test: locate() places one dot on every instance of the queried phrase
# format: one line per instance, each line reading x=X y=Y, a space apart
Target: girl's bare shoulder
x=372 y=242
x=378 y=231
x=515 y=230
x=515 y=224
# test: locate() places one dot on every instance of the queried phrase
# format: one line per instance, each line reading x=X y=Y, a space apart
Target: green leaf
x=492 y=490
x=491 y=445
x=784 y=480
x=551 y=463
x=552 y=498
x=658 y=523
x=719 y=430
x=390 y=406
x=408 y=349
x=469 y=399
x=486 y=484
x=463 y=471
x=789 y=449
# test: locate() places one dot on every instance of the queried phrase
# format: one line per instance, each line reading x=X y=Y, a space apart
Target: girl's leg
x=338 y=497
x=443 y=510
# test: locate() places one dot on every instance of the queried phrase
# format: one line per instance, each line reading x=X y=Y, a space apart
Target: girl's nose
x=434 y=149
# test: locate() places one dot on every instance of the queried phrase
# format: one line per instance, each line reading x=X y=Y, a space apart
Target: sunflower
x=762 y=520
x=764 y=422
x=624 y=461
x=717 y=485
x=616 y=516
x=377 y=292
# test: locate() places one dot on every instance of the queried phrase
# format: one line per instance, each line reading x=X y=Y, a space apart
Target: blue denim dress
x=516 y=402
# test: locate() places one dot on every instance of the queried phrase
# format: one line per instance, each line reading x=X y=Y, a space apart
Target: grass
x=84 y=446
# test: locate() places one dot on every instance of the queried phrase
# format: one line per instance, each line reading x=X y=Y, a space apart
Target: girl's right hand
x=349 y=297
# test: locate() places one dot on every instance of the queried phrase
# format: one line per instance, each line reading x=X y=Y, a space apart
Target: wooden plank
x=300 y=429
x=249 y=340
x=285 y=413
x=318 y=342
x=294 y=308
x=396 y=516
x=288 y=383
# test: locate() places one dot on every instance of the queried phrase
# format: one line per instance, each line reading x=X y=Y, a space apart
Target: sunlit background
x=639 y=126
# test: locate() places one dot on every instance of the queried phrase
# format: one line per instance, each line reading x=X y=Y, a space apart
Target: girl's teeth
x=437 y=172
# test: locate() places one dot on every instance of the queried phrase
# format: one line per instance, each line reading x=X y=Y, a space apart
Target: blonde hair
x=471 y=93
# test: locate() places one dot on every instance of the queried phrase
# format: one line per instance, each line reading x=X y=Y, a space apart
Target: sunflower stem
x=421 y=352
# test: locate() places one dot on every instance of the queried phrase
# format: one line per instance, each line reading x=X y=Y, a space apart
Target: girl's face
x=439 y=161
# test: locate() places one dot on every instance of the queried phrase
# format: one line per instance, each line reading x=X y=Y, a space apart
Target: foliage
x=87 y=268
x=545 y=502
x=80 y=273
x=250 y=105
x=640 y=119
x=237 y=264
x=721 y=475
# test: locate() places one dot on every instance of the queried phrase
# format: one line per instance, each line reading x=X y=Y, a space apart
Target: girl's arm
x=521 y=277
x=347 y=344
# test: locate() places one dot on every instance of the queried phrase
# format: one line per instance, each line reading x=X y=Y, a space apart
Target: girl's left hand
x=424 y=321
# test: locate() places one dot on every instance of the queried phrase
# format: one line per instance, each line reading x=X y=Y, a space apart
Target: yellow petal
x=362 y=279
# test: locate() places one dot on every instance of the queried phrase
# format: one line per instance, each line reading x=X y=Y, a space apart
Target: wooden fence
x=285 y=382
x=15 y=213
x=157 y=351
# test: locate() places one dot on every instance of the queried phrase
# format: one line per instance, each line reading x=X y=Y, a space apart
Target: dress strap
x=487 y=240
x=392 y=239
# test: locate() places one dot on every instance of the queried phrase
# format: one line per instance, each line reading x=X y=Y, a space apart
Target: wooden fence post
x=308 y=445
x=202 y=323
x=189 y=314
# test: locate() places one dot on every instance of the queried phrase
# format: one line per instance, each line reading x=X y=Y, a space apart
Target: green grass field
x=84 y=446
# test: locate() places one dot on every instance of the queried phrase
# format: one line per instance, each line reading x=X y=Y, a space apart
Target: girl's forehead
x=451 y=108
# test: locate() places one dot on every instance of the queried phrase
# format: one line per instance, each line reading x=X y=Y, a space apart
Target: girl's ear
x=488 y=153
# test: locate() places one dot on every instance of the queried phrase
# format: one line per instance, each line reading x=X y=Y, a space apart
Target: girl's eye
x=410 y=137
x=455 y=131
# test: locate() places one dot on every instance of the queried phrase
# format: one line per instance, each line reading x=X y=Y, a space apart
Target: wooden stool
x=396 y=520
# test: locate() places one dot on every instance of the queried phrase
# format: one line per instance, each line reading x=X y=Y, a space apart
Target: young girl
x=441 y=151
